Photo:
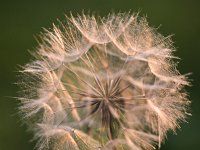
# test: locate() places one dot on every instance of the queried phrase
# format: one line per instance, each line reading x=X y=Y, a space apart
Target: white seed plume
x=103 y=84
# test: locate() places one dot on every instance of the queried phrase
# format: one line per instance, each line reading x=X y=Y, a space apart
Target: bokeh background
x=21 y=20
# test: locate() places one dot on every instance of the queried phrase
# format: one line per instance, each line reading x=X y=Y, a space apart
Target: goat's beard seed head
x=106 y=83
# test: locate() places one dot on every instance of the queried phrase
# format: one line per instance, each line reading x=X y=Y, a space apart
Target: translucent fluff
x=102 y=84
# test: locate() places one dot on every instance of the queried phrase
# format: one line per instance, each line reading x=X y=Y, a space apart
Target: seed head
x=103 y=84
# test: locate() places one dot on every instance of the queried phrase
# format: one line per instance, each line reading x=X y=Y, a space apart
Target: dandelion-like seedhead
x=102 y=84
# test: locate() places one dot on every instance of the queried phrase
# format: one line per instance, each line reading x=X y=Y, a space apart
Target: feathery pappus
x=105 y=83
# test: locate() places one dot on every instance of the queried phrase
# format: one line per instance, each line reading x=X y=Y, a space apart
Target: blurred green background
x=21 y=20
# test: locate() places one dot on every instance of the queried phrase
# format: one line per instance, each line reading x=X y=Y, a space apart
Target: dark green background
x=21 y=20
